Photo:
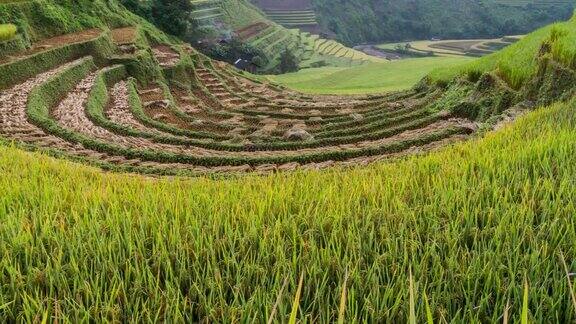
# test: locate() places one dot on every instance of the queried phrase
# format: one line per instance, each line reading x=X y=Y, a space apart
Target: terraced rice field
x=206 y=10
x=292 y=25
x=290 y=13
x=227 y=123
x=336 y=49
x=292 y=18
x=457 y=47
x=309 y=49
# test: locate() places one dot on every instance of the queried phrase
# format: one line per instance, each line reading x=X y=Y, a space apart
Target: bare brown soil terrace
x=123 y=36
x=224 y=123
x=54 y=42
x=251 y=30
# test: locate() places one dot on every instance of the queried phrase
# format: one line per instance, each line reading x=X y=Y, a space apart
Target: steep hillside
x=397 y=20
x=230 y=30
x=270 y=39
x=480 y=231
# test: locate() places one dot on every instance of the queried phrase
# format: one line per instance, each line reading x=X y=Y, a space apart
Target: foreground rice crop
x=471 y=222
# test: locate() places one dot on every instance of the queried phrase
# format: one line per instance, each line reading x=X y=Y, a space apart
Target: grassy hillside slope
x=399 y=20
x=518 y=63
x=370 y=78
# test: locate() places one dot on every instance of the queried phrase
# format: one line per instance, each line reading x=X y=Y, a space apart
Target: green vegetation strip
x=378 y=124
x=13 y=72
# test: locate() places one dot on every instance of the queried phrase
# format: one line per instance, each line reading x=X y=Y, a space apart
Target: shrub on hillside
x=288 y=62
x=7 y=32
x=231 y=50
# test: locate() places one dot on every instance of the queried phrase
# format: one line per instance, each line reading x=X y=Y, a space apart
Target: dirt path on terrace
x=124 y=36
x=251 y=30
x=55 y=42
x=165 y=55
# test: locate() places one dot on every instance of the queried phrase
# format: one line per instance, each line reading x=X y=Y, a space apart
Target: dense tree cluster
x=172 y=16
x=232 y=50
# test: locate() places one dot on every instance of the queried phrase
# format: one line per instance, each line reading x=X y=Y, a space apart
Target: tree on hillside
x=173 y=16
x=139 y=7
x=288 y=62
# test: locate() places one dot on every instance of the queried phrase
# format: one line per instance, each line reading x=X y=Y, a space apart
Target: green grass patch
x=518 y=63
x=7 y=32
x=369 y=78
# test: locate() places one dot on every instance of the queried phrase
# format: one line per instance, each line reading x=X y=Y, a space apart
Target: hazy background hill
x=371 y=21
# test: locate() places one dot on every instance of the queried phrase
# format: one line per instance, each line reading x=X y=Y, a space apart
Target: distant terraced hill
x=291 y=13
x=271 y=39
x=379 y=21
x=461 y=47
